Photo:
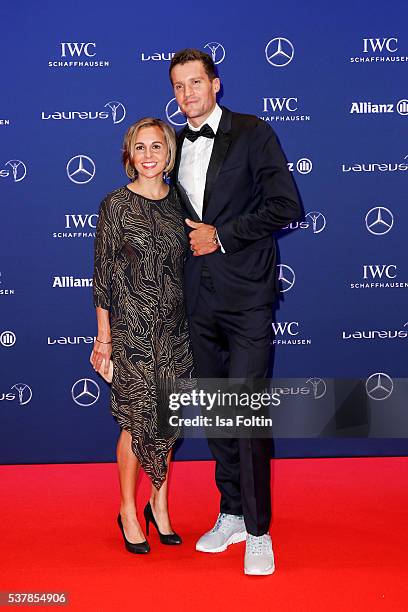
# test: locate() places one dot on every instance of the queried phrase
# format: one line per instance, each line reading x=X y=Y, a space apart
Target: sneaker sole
x=234 y=539
x=267 y=572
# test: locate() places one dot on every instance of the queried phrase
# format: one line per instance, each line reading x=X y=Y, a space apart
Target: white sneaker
x=259 y=559
x=228 y=529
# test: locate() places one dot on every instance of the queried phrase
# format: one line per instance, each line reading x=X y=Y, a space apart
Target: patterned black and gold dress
x=138 y=277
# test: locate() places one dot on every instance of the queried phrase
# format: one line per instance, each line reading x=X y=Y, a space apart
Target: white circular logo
x=379 y=220
x=8 y=338
x=19 y=169
x=118 y=111
x=319 y=387
x=174 y=113
x=286 y=277
x=24 y=393
x=304 y=165
x=217 y=52
x=318 y=221
x=279 y=52
x=85 y=392
x=81 y=169
x=379 y=386
x=402 y=107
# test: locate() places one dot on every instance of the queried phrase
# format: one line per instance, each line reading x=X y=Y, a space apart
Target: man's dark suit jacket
x=249 y=194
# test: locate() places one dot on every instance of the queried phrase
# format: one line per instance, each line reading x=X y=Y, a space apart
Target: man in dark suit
x=234 y=181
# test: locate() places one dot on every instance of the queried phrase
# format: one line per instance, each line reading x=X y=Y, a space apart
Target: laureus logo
x=14 y=169
x=216 y=50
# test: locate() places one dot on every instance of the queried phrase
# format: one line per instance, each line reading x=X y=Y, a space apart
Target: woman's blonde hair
x=130 y=139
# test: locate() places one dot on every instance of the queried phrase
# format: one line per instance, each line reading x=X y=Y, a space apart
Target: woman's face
x=150 y=152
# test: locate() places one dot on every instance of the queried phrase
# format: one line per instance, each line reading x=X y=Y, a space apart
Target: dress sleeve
x=104 y=256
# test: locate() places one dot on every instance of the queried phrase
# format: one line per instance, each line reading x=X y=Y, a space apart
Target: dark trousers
x=236 y=345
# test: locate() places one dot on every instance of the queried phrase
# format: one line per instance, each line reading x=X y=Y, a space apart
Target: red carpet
x=339 y=530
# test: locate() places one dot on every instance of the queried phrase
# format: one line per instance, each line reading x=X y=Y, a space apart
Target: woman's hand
x=101 y=351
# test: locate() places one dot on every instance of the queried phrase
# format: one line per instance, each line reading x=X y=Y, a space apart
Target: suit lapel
x=222 y=142
x=182 y=192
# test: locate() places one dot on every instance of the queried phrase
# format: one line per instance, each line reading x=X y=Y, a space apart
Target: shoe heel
x=147 y=526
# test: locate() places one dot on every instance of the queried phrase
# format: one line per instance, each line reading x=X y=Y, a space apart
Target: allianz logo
x=114 y=110
x=377 y=167
x=71 y=340
x=71 y=281
x=157 y=57
x=374 y=334
x=367 y=108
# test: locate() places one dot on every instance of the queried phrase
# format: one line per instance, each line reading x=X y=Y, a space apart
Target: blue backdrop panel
x=332 y=82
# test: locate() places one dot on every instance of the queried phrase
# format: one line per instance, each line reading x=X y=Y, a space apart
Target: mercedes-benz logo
x=217 y=51
x=174 y=113
x=118 y=111
x=379 y=386
x=286 y=277
x=81 y=169
x=85 y=392
x=8 y=338
x=19 y=169
x=318 y=221
x=279 y=52
x=319 y=387
x=379 y=220
x=24 y=393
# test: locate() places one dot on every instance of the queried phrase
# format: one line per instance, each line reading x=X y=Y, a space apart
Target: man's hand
x=202 y=238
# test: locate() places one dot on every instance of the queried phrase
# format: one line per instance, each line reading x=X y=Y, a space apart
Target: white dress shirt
x=195 y=157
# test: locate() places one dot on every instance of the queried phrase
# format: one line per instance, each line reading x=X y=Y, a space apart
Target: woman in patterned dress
x=138 y=294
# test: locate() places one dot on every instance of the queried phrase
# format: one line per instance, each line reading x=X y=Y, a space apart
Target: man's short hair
x=194 y=55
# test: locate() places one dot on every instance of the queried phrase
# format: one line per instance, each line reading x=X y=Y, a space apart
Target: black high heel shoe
x=140 y=548
x=170 y=539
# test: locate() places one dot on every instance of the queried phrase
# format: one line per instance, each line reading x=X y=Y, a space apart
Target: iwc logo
x=78 y=54
x=78 y=226
x=283 y=109
x=378 y=50
x=288 y=332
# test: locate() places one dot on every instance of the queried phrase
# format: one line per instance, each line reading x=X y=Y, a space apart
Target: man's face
x=195 y=93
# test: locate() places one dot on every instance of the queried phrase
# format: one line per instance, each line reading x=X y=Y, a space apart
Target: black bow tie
x=205 y=131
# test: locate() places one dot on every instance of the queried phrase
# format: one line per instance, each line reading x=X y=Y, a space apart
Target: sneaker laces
x=224 y=521
x=258 y=545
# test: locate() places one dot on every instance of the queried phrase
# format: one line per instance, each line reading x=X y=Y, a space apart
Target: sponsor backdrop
x=330 y=81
